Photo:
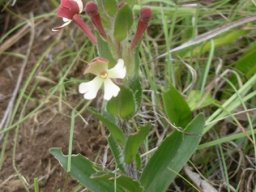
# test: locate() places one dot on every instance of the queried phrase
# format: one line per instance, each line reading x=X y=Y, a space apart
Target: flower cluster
x=70 y=11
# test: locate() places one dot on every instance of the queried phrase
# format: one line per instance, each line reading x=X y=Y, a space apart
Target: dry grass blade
x=16 y=37
x=210 y=34
x=7 y=115
x=198 y=181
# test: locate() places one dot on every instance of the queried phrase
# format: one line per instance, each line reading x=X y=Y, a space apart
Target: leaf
x=124 y=183
x=115 y=131
x=133 y=143
x=196 y=100
x=124 y=105
x=172 y=154
x=117 y=153
x=123 y=23
x=109 y=6
x=94 y=177
x=176 y=108
x=81 y=170
x=104 y=51
x=135 y=86
x=247 y=62
x=131 y=2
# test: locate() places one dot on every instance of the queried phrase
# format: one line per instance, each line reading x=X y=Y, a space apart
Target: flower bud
x=145 y=15
x=91 y=9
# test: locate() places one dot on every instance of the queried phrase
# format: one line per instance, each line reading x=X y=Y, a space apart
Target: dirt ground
x=50 y=127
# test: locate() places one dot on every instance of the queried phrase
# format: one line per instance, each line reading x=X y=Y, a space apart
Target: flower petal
x=67 y=22
x=91 y=88
x=110 y=89
x=118 y=71
x=68 y=8
x=80 y=5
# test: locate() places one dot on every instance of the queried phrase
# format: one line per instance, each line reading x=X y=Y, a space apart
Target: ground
x=48 y=127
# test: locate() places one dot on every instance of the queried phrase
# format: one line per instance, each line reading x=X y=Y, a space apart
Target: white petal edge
x=118 y=71
x=110 y=89
x=91 y=88
x=67 y=22
x=80 y=5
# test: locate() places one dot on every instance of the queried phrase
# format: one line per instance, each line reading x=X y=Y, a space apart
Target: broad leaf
x=104 y=51
x=133 y=143
x=176 y=107
x=124 y=105
x=172 y=154
x=94 y=177
x=115 y=131
x=109 y=6
x=123 y=23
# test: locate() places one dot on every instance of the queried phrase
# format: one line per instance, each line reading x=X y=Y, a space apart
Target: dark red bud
x=145 y=15
x=91 y=9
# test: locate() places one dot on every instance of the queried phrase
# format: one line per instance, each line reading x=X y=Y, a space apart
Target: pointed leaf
x=94 y=177
x=172 y=154
x=133 y=143
x=123 y=23
x=176 y=108
x=117 y=153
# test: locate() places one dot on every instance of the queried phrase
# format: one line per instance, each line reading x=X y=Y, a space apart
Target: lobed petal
x=118 y=71
x=110 y=89
x=91 y=88
x=66 y=22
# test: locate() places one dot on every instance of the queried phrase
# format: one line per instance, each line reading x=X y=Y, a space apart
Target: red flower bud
x=145 y=15
x=91 y=9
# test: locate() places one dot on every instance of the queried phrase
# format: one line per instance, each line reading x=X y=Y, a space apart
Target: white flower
x=99 y=67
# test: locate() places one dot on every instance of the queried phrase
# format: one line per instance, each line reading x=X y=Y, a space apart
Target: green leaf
x=123 y=23
x=247 y=62
x=131 y=2
x=93 y=176
x=176 y=107
x=172 y=154
x=124 y=105
x=117 y=153
x=109 y=6
x=104 y=51
x=124 y=183
x=82 y=169
x=115 y=131
x=135 y=86
x=197 y=100
x=133 y=143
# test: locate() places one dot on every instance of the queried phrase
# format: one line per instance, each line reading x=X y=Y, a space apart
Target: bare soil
x=49 y=127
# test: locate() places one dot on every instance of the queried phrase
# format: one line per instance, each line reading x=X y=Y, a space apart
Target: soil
x=48 y=128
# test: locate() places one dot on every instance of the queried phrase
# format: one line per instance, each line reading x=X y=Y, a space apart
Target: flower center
x=104 y=75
